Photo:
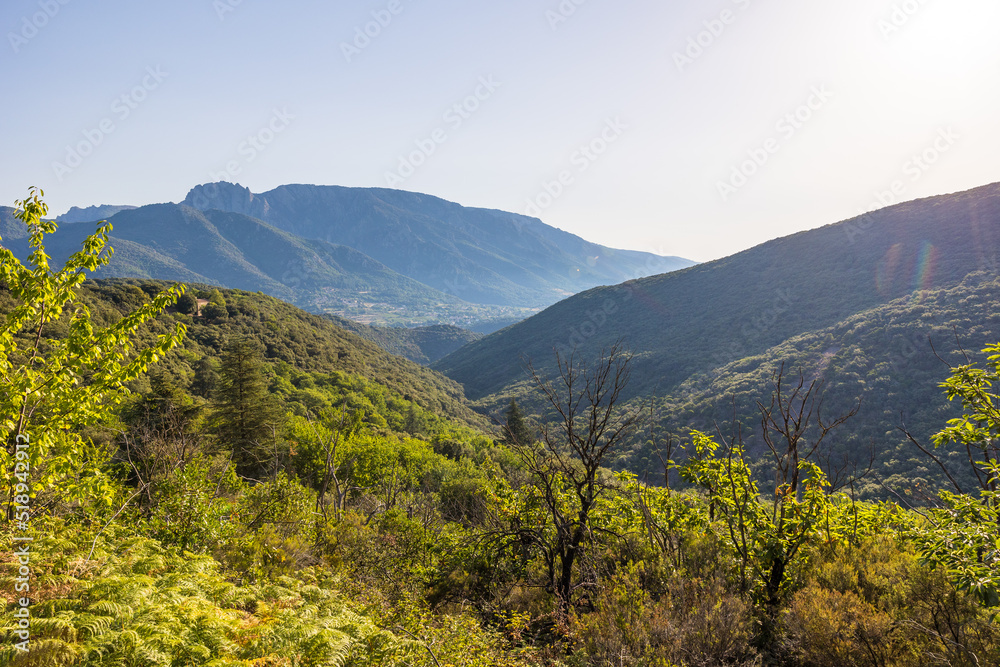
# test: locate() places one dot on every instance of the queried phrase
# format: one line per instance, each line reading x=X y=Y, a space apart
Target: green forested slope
x=303 y=341
x=691 y=321
x=887 y=361
x=890 y=360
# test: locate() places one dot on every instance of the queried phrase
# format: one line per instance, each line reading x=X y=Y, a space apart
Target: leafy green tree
x=248 y=417
x=215 y=297
x=59 y=372
x=188 y=512
x=769 y=535
x=187 y=304
x=963 y=536
x=215 y=312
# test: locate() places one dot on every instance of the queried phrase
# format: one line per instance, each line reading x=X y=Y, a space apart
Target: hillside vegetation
x=288 y=336
x=254 y=486
x=853 y=303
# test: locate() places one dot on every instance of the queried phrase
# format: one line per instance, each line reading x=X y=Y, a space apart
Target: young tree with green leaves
x=768 y=535
x=962 y=536
x=55 y=384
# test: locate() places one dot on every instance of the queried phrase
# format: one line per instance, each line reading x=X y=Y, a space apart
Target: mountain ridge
x=759 y=296
x=481 y=255
x=175 y=242
x=92 y=213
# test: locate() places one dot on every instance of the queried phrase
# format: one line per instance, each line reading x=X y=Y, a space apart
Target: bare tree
x=329 y=444
x=792 y=426
x=793 y=429
x=566 y=467
x=769 y=532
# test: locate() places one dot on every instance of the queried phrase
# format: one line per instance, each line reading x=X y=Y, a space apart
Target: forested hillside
x=289 y=337
x=237 y=482
x=856 y=304
x=706 y=316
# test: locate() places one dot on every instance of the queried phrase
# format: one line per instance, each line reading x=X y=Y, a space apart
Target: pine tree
x=248 y=417
x=205 y=378
x=516 y=430
x=416 y=423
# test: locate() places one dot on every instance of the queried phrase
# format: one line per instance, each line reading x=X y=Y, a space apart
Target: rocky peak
x=226 y=196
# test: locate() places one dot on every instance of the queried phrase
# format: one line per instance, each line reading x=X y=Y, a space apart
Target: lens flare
x=923 y=275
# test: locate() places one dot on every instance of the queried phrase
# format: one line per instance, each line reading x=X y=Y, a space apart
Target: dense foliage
x=369 y=519
x=886 y=362
x=286 y=334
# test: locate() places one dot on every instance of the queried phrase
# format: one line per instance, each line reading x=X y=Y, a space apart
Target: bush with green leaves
x=962 y=536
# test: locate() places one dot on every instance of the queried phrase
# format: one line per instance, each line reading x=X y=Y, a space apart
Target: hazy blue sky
x=131 y=102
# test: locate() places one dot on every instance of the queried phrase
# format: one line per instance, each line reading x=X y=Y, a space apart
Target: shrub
x=829 y=629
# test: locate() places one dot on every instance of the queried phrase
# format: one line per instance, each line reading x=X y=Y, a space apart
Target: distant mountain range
x=368 y=254
x=853 y=303
x=482 y=256
x=175 y=242
x=92 y=213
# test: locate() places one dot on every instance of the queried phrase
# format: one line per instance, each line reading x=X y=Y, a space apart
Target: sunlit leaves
x=762 y=534
x=53 y=385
